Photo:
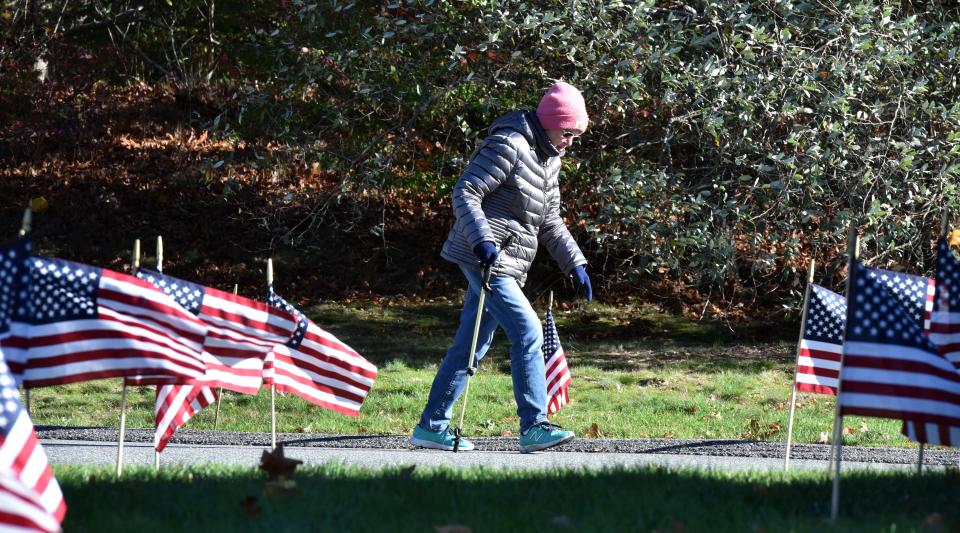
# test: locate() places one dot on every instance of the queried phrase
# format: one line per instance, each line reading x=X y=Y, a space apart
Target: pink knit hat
x=562 y=108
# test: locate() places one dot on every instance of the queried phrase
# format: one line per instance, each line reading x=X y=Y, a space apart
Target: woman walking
x=509 y=187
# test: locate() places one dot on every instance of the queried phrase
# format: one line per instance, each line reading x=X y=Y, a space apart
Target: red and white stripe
x=945 y=332
x=929 y=433
x=890 y=381
x=928 y=306
x=176 y=404
x=21 y=453
x=321 y=370
x=558 y=381
x=818 y=367
x=138 y=330
x=21 y=510
x=241 y=333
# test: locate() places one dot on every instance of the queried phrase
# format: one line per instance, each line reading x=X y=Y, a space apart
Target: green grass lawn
x=340 y=498
x=636 y=374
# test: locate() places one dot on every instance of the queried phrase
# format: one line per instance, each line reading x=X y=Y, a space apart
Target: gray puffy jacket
x=511 y=184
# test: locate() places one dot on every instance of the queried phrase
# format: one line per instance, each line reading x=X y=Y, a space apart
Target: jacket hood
x=526 y=123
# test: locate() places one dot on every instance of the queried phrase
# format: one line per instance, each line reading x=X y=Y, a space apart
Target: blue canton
x=882 y=310
x=9 y=399
x=910 y=291
x=551 y=340
x=188 y=295
x=275 y=300
x=948 y=275
x=59 y=291
x=826 y=316
x=14 y=280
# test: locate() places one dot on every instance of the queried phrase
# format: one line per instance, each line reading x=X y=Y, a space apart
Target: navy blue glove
x=583 y=281
x=486 y=252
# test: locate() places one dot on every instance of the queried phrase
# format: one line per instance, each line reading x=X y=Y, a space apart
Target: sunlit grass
x=650 y=376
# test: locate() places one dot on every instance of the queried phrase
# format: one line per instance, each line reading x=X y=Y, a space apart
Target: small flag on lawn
x=818 y=364
x=555 y=364
x=945 y=335
x=176 y=404
x=28 y=491
x=20 y=450
x=317 y=367
x=241 y=331
x=81 y=322
x=891 y=369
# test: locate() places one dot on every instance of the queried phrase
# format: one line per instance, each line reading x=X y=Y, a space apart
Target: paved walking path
x=140 y=453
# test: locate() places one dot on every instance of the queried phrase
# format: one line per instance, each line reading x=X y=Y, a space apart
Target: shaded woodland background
x=731 y=142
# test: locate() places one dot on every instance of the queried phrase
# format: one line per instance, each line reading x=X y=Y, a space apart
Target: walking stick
x=485 y=286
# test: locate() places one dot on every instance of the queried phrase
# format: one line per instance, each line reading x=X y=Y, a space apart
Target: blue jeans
x=507 y=307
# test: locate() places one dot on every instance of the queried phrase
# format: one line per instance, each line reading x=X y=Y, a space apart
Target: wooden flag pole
x=803 y=332
x=135 y=264
x=25 y=226
x=273 y=386
x=24 y=231
x=156 y=454
x=853 y=251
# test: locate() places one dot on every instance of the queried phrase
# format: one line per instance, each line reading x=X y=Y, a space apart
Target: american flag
x=818 y=364
x=317 y=367
x=176 y=404
x=24 y=466
x=555 y=364
x=945 y=335
x=21 y=508
x=80 y=322
x=241 y=331
x=20 y=450
x=891 y=369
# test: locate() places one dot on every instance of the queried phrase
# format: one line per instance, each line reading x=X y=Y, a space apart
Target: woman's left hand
x=583 y=281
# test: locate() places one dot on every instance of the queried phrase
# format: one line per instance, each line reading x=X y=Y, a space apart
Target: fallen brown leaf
x=594 y=432
x=276 y=465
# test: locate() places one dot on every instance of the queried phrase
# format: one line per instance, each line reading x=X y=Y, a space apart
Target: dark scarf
x=545 y=148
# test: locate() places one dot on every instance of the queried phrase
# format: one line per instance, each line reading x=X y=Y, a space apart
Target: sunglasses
x=567 y=134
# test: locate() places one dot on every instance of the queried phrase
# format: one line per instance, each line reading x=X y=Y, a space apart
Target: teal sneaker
x=438 y=440
x=542 y=436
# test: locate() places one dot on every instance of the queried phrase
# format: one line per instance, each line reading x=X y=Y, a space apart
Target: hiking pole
x=485 y=286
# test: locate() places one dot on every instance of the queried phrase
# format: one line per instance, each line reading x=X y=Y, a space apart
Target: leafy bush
x=730 y=144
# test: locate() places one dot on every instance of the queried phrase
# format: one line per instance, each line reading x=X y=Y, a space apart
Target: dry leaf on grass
x=594 y=432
